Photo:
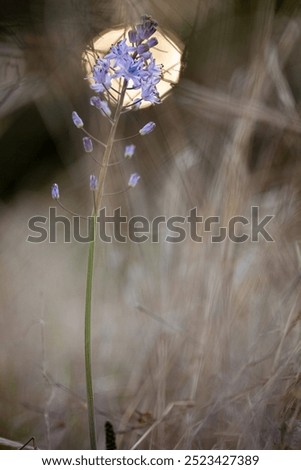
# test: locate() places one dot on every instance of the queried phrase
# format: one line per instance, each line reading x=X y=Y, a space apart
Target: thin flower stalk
x=107 y=153
x=135 y=68
x=88 y=310
x=90 y=271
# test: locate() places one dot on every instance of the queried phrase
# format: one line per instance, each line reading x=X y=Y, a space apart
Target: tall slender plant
x=130 y=63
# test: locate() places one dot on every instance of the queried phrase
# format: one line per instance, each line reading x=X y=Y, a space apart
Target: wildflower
x=129 y=150
x=154 y=72
x=150 y=93
x=93 y=183
x=134 y=178
x=102 y=105
x=133 y=71
x=55 y=193
x=101 y=75
x=120 y=53
x=148 y=128
x=147 y=28
x=132 y=61
x=88 y=144
x=77 y=121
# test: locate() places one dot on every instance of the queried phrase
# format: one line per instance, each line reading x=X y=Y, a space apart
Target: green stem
x=89 y=284
x=88 y=308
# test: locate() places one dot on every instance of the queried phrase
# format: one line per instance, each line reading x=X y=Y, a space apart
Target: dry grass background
x=195 y=345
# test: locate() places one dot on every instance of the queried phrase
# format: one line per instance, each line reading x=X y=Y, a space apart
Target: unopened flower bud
x=77 y=121
x=88 y=144
x=55 y=193
x=134 y=178
x=152 y=42
x=129 y=150
x=93 y=183
x=102 y=105
x=132 y=36
x=142 y=48
x=148 y=128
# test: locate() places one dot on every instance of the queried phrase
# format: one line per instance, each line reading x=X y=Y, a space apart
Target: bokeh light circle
x=168 y=52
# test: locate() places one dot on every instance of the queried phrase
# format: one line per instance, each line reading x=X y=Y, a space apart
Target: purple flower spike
x=148 y=128
x=55 y=193
x=134 y=178
x=88 y=144
x=129 y=150
x=77 y=121
x=93 y=183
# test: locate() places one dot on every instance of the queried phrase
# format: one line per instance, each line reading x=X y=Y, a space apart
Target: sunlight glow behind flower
x=165 y=50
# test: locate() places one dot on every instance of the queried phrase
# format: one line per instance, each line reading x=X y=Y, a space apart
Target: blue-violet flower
x=134 y=178
x=148 y=128
x=93 y=183
x=101 y=105
x=147 y=28
x=129 y=150
x=101 y=75
x=77 y=121
x=88 y=144
x=55 y=193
